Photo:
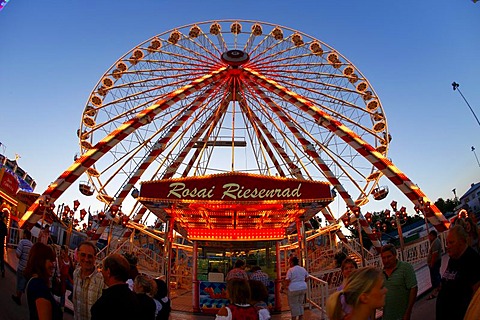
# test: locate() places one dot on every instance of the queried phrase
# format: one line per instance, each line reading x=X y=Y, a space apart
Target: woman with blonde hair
x=363 y=291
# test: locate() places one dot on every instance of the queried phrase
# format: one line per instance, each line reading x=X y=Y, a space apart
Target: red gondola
x=380 y=193
x=85 y=188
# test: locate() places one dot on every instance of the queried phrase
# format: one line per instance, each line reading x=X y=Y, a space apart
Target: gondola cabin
x=85 y=188
x=380 y=193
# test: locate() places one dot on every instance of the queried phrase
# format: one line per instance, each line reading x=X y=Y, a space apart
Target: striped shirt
x=85 y=293
x=21 y=252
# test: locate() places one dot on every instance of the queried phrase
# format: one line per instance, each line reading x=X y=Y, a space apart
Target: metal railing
x=15 y=235
x=353 y=247
x=333 y=277
x=317 y=294
x=148 y=261
x=320 y=259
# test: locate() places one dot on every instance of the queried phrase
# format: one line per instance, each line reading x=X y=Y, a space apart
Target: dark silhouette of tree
x=448 y=205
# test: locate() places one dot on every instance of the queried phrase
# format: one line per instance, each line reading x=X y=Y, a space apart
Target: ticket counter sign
x=235 y=188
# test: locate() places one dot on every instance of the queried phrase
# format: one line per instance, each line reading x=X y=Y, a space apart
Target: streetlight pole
x=473 y=150
x=455 y=87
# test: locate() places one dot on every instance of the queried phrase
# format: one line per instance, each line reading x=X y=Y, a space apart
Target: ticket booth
x=215 y=259
x=233 y=216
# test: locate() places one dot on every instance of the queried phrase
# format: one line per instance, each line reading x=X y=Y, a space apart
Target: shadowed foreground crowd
x=118 y=291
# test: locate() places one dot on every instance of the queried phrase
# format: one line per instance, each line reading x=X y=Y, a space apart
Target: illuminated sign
x=8 y=183
x=235 y=187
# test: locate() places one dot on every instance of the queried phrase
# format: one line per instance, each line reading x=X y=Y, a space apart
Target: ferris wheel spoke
x=308 y=147
x=271 y=106
x=278 y=61
x=207 y=97
x=363 y=148
x=265 y=43
x=259 y=144
x=354 y=122
x=215 y=29
x=201 y=152
x=281 y=61
x=339 y=115
x=184 y=57
x=293 y=168
x=212 y=134
x=345 y=119
x=323 y=145
x=174 y=125
x=210 y=60
x=315 y=157
x=266 y=48
x=121 y=114
x=206 y=44
x=289 y=79
x=178 y=160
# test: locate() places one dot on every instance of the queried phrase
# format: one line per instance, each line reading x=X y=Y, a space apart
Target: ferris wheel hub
x=235 y=57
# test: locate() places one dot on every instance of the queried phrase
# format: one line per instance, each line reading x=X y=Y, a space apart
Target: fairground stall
x=233 y=216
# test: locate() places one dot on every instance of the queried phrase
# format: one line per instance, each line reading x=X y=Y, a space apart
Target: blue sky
x=52 y=53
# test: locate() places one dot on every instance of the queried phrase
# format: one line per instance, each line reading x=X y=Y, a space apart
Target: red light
x=236 y=234
x=368 y=216
x=387 y=213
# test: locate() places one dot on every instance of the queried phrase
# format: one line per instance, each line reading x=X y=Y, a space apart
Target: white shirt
x=297 y=276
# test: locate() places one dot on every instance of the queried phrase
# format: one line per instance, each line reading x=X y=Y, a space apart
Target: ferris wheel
x=233 y=95
x=234 y=122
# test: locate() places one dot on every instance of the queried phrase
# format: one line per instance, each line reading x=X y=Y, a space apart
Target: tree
x=447 y=206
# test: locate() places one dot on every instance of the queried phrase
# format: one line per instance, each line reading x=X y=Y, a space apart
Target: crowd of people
x=394 y=287
x=117 y=290
x=96 y=292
